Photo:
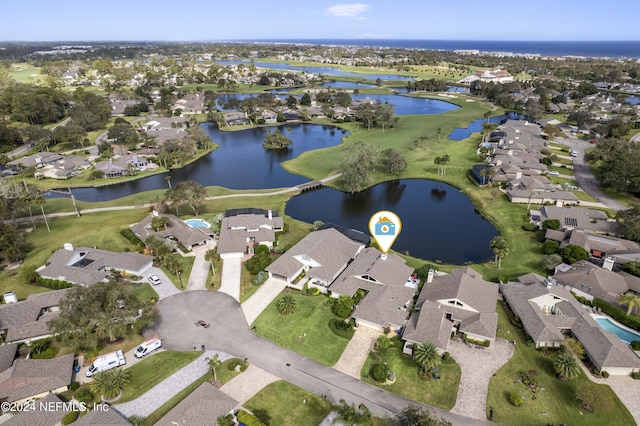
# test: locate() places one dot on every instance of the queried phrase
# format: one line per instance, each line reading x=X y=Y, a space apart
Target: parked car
x=553 y=173
x=154 y=280
x=574 y=153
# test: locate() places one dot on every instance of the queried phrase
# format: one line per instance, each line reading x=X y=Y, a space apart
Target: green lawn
x=306 y=331
x=154 y=369
x=224 y=374
x=289 y=405
x=144 y=292
x=439 y=393
x=557 y=400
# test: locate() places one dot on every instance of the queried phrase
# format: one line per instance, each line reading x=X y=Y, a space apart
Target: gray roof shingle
x=202 y=407
x=29 y=377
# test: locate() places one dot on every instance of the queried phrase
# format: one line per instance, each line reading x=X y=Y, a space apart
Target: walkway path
x=478 y=364
x=244 y=386
x=155 y=397
x=357 y=351
x=231 y=273
x=257 y=303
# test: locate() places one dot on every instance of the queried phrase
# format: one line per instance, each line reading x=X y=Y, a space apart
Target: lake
x=402 y=105
x=438 y=221
x=316 y=70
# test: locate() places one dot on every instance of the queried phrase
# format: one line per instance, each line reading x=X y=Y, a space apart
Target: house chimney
x=608 y=264
x=383 y=256
x=430 y=275
x=68 y=246
x=270 y=214
x=518 y=175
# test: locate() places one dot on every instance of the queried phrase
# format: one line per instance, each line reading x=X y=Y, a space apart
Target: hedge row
x=249 y=419
x=52 y=284
x=133 y=239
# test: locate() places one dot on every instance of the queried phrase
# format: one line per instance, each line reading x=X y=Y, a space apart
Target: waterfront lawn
x=306 y=331
x=153 y=370
x=284 y=403
x=557 y=400
x=440 y=393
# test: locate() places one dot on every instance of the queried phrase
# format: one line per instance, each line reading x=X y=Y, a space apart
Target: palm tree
x=213 y=364
x=632 y=300
x=287 y=304
x=109 y=383
x=211 y=256
x=500 y=248
x=566 y=367
x=426 y=355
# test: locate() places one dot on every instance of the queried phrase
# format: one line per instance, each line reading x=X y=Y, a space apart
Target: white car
x=574 y=153
x=553 y=173
x=154 y=280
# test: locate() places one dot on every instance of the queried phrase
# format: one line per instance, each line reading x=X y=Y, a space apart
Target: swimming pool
x=625 y=334
x=197 y=223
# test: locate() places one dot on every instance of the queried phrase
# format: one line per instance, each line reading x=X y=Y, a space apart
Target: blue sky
x=217 y=20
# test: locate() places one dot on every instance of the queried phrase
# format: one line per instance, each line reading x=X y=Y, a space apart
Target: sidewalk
x=155 y=397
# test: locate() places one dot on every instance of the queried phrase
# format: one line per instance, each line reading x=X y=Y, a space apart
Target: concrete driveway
x=199 y=270
x=357 y=351
x=228 y=332
x=231 y=270
x=165 y=288
x=259 y=300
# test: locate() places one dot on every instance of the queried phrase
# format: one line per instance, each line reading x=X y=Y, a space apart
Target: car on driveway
x=553 y=173
x=154 y=280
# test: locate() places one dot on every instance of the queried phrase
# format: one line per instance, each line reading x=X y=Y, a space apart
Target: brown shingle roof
x=28 y=318
x=29 y=377
x=202 y=407
x=101 y=418
x=388 y=299
x=429 y=325
x=327 y=247
x=38 y=416
x=186 y=235
x=605 y=284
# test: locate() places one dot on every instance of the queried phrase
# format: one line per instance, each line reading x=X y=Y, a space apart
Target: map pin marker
x=385 y=226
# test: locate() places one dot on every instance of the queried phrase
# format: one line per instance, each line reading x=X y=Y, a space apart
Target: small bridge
x=303 y=187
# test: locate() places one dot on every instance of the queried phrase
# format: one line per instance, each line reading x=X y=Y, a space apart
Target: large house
x=600 y=246
x=322 y=254
x=590 y=220
x=461 y=301
x=496 y=76
x=86 y=265
x=27 y=320
x=176 y=229
x=33 y=378
x=591 y=281
x=240 y=231
x=549 y=313
x=387 y=284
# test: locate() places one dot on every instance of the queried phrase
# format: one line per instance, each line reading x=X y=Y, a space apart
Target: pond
x=347 y=85
x=634 y=100
x=475 y=126
x=240 y=162
x=438 y=221
x=316 y=70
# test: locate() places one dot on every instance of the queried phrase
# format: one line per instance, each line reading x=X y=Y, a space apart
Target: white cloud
x=347 y=10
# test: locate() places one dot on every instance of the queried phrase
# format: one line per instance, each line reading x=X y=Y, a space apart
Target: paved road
x=585 y=178
x=229 y=332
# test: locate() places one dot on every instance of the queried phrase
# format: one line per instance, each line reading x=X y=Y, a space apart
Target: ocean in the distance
x=593 y=49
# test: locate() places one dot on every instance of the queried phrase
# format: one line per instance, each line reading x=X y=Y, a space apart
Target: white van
x=147 y=347
x=106 y=362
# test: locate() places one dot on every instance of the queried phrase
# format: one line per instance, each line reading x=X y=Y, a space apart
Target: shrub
x=257 y=263
x=249 y=419
x=226 y=420
x=341 y=328
x=551 y=224
x=446 y=357
x=133 y=239
x=573 y=253
x=515 y=399
x=605 y=374
x=260 y=278
x=635 y=345
x=235 y=363
x=70 y=417
x=342 y=306
x=379 y=372
x=262 y=249
x=635 y=375
x=84 y=395
x=550 y=247
x=74 y=386
x=529 y=227
x=262 y=415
